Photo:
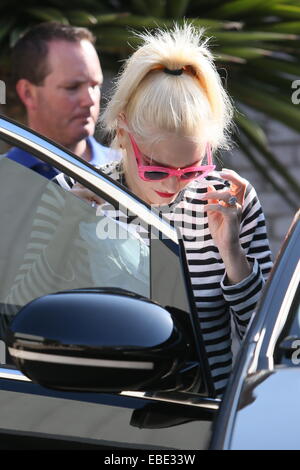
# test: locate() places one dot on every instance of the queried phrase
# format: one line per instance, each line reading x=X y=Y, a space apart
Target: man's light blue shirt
x=100 y=155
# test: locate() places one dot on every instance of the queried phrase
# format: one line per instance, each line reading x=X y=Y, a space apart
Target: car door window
x=52 y=241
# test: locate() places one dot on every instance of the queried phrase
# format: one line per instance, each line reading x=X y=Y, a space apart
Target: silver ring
x=93 y=204
x=232 y=201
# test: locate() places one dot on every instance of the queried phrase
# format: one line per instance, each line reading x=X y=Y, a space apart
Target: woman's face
x=172 y=152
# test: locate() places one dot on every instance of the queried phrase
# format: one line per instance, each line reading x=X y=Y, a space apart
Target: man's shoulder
x=30 y=161
x=102 y=154
x=21 y=156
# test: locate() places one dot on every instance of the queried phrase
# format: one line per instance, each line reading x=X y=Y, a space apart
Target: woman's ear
x=121 y=119
x=121 y=137
x=122 y=130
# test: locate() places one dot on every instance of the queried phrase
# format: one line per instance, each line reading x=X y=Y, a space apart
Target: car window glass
x=287 y=350
x=51 y=240
x=294 y=315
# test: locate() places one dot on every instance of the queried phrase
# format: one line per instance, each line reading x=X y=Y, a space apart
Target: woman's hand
x=237 y=184
x=224 y=224
x=223 y=219
x=83 y=193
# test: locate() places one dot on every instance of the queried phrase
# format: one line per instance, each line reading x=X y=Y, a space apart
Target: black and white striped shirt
x=224 y=310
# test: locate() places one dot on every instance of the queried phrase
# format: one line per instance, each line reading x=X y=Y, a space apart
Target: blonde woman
x=168 y=114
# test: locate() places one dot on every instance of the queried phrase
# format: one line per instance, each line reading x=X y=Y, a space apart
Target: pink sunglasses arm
x=209 y=155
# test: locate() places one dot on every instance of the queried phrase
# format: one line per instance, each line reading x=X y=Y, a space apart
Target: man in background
x=58 y=78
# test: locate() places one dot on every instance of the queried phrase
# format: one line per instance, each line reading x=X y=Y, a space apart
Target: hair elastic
x=173 y=72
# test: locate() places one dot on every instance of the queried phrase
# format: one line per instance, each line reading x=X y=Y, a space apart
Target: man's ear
x=27 y=93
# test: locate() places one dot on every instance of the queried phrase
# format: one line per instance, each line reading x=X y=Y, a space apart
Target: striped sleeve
x=34 y=273
x=48 y=265
x=243 y=296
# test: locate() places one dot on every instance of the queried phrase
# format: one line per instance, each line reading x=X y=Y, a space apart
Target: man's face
x=67 y=104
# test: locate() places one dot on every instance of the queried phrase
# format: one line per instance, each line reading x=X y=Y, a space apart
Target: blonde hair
x=154 y=102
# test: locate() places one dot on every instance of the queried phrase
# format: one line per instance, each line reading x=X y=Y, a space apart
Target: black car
x=119 y=363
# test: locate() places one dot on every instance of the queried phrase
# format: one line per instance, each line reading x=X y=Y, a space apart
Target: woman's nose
x=172 y=184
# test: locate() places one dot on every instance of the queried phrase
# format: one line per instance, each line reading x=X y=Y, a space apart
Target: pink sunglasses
x=158 y=173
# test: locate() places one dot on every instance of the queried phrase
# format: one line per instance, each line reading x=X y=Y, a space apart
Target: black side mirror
x=97 y=340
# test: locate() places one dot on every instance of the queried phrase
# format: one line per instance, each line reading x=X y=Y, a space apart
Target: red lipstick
x=166 y=195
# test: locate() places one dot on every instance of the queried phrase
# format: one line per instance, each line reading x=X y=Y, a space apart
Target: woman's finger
x=228 y=211
x=86 y=194
x=216 y=207
x=215 y=196
x=238 y=184
x=233 y=176
x=211 y=199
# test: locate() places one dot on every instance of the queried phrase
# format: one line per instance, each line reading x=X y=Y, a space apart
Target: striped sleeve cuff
x=238 y=291
x=243 y=296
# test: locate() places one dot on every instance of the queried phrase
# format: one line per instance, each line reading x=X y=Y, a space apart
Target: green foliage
x=257 y=42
